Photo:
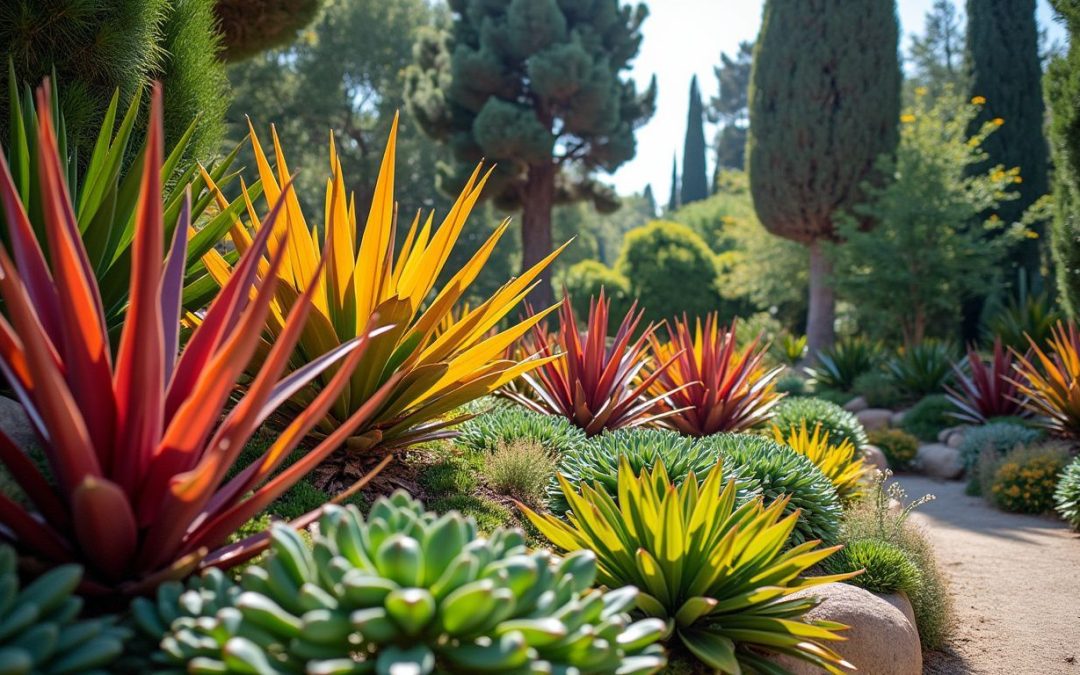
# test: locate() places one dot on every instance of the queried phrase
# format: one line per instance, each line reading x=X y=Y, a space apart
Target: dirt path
x=1015 y=580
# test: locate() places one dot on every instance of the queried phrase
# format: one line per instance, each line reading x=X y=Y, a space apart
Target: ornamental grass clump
x=712 y=385
x=837 y=460
x=407 y=591
x=431 y=368
x=719 y=575
x=986 y=390
x=138 y=442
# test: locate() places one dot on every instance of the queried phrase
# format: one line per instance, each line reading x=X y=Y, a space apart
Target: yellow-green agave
x=837 y=460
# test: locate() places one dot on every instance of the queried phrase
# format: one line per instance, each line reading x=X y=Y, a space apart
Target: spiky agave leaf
x=985 y=390
x=1050 y=379
x=836 y=459
x=438 y=367
x=716 y=571
x=136 y=447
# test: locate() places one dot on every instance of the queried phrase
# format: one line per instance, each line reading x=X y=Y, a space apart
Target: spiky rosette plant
x=137 y=446
x=594 y=385
x=504 y=426
x=836 y=459
x=1050 y=380
x=1067 y=494
x=596 y=462
x=430 y=371
x=841 y=425
x=712 y=385
x=39 y=632
x=408 y=591
x=718 y=574
x=986 y=390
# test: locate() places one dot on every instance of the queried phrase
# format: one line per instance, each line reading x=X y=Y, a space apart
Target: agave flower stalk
x=594 y=385
x=986 y=390
x=1050 y=380
x=439 y=364
x=714 y=386
x=137 y=447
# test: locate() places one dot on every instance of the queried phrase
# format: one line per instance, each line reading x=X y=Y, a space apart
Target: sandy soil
x=1016 y=583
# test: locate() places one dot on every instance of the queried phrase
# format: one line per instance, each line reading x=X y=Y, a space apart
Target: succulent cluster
x=1067 y=494
x=409 y=591
x=837 y=460
x=841 y=425
x=505 y=425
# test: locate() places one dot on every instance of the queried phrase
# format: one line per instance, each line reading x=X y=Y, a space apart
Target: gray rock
x=856 y=404
x=938 y=460
x=16 y=424
x=874 y=418
x=875 y=458
x=882 y=638
x=897 y=418
x=955 y=439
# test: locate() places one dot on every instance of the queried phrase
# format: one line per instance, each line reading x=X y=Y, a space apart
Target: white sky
x=685 y=37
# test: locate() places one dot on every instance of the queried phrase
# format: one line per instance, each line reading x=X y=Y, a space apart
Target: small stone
x=881 y=638
x=856 y=404
x=955 y=440
x=875 y=458
x=897 y=418
x=874 y=418
x=938 y=460
x=15 y=423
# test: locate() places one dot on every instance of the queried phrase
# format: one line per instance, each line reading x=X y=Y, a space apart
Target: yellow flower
x=978 y=100
x=1018 y=179
x=907 y=118
x=994 y=217
x=920 y=91
x=997 y=121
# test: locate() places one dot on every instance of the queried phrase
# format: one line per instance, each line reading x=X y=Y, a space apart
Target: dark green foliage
x=730 y=108
x=695 y=183
x=1062 y=86
x=452 y=475
x=841 y=425
x=1022 y=316
x=537 y=87
x=1067 y=494
x=838 y=366
x=792 y=385
x=663 y=259
x=779 y=471
x=39 y=633
x=898 y=446
x=886 y=567
x=503 y=426
x=924 y=368
x=997 y=437
x=673 y=198
x=878 y=389
x=252 y=26
x=597 y=462
x=929 y=416
x=1003 y=57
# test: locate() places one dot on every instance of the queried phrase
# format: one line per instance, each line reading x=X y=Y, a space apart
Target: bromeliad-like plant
x=408 y=591
x=922 y=369
x=593 y=384
x=1051 y=380
x=435 y=367
x=984 y=390
x=712 y=386
x=717 y=573
x=836 y=459
x=135 y=447
x=839 y=366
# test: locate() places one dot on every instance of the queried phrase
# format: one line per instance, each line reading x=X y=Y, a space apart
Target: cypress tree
x=650 y=201
x=673 y=198
x=1003 y=55
x=539 y=88
x=823 y=108
x=1062 y=84
x=695 y=181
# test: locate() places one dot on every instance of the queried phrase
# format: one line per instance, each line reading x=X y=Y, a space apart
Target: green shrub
x=835 y=396
x=521 y=470
x=898 y=446
x=778 y=471
x=792 y=385
x=839 y=366
x=879 y=390
x=840 y=424
x=507 y=425
x=999 y=437
x=405 y=590
x=923 y=369
x=584 y=280
x=887 y=568
x=1025 y=479
x=1067 y=494
x=927 y=418
x=597 y=461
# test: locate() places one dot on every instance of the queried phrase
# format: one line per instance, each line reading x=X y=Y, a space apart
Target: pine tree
x=937 y=56
x=673 y=198
x=1062 y=84
x=729 y=107
x=1003 y=52
x=695 y=180
x=538 y=87
x=823 y=108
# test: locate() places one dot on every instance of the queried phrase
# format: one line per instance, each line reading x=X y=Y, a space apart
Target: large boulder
x=875 y=458
x=856 y=404
x=938 y=460
x=874 y=418
x=881 y=638
x=15 y=423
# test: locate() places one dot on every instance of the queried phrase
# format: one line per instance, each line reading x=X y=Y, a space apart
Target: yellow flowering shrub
x=1025 y=479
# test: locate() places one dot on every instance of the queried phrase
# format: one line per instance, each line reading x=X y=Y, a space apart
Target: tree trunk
x=822 y=310
x=537 y=199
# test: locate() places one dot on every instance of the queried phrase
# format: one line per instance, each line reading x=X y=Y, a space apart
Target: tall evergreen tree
x=1003 y=55
x=650 y=201
x=1062 y=83
x=823 y=108
x=730 y=107
x=695 y=179
x=937 y=56
x=538 y=87
x=673 y=196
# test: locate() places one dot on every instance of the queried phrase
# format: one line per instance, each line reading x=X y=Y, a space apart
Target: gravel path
x=1016 y=583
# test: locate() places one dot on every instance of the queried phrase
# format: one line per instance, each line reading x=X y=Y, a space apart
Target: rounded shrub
x=898 y=446
x=999 y=437
x=886 y=567
x=1067 y=494
x=1026 y=478
x=511 y=424
x=778 y=471
x=584 y=281
x=841 y=425
x=596 y=462
x=878 y=389
x=929 y=417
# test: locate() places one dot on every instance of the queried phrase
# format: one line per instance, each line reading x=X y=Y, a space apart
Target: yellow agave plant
x=838 y=461
x=437 y=361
